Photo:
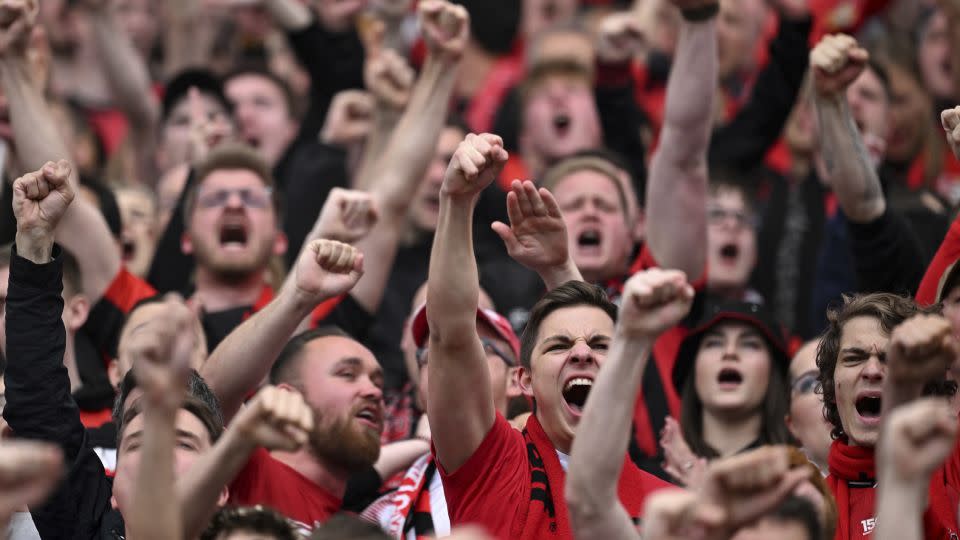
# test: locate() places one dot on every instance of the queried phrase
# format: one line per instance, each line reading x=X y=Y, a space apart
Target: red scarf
x=407 y=508
x=547 y=516
x=856 y=464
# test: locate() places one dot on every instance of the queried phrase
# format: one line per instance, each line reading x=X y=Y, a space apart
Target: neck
x=730 y=434
x=215 y=294
x=331 y=478
x=70 y=362
x=478 y=64
x=562 y=441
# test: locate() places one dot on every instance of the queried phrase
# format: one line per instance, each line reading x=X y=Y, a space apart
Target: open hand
x=276 y=419
x=206 y=132
x=445 y=28
x=327 y=269
x=475 y=165
x=680 y=462
x=836 y=62
x=950 y=118
x=654 y=301
x=347 y=216
x=349 y=119
x=915 y=440
x=537 y=235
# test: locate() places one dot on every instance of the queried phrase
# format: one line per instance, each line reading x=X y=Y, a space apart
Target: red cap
x=499 y=324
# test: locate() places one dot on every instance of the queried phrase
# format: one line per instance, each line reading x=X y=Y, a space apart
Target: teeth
x=579 y=381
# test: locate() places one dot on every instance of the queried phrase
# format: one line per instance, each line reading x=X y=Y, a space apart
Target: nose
x=370 y=390
x=581 y=353
x=730 y=351
x=234 y=200
x=873 y=369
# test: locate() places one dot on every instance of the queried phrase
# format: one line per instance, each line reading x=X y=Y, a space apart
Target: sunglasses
x=489 y=348
x=806 y=383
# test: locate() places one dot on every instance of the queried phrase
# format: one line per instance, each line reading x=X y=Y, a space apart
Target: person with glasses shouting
x=805 y=420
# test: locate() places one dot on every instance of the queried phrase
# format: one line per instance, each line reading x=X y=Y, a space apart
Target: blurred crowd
x=331 y=269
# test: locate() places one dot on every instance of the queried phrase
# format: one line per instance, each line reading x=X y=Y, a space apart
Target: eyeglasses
x=256 y=198
x=489 y=348
x=717 y=215
x=806 y=383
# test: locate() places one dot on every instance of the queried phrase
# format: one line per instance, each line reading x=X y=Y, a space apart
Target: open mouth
x=589 y=238
x=233 y=234
x=128 y=249
x=561 y=123
x=729 y=376
x=371 y=416
x=729 y=253
x=869 y=406
x=575 y=393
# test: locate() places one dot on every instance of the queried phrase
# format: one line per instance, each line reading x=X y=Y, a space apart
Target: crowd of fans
x=480 y=269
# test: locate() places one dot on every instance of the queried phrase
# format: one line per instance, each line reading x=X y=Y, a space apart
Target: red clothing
x=948 y=253
x=513 y=486
x=852 y=480
x=266 y=481
x=108 y=315
x=95 y=419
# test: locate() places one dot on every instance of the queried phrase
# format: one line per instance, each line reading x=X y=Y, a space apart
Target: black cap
x=204 y=81
x=719 y=311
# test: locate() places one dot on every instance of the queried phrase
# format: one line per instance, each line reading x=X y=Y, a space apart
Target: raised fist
x=40 y=199
x=749 y=485
x=349 y=119
x=678 y=514
x=160 y=352
x=654 y=301
x=536 y=236
x=327 y=269
x=389 y=78
x=28 y=473
x=475 y=165
x=621 y=38
x=916 y=439
x=445 y=28
x=836 y=62
x=347 y=216
x=17 y=19
x=921 y=350
x=276 y=419
x=950 y=118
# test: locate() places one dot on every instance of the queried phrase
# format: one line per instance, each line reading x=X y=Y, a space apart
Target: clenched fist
x=17 y=19
x=445 y=28
x=28 y=472
x=475 y=165
x=678 y=514
x=40 y=200
x=921 y=350
x=347 y=216
x=388 y=76
x=950 y=118
x=327 y=269
x=621 y=37
x=654 y=301
x=916 y=439
x=160 y=352
x=836 y=62
x=349 y=119
x=276 y=419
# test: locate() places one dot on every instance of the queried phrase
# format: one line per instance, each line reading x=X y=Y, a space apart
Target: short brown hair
x=567 y=166
x=890 y=310
x=570 y=294
x=226 y=157
x=542 y=71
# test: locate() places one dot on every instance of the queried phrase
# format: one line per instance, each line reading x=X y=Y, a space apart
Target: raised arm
x=404 y=163
x=914 y=442
x=653 y=301
x=82 y=231
x=836 y=62
x=677 y=188
x=921 y=350
x=460 y=405
x=537 y=235
x=325 y=269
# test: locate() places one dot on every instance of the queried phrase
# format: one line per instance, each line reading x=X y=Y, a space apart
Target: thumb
x=358 y=264
x=505 y=233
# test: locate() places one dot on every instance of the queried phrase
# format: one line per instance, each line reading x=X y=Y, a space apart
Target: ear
x=513 y=383
x=640 y=226
x=524 y=379
x=76 y=311
x=224 y=497
x=790 y=427
x=280 y=243
x=186 y=244
x=113 y=373
x=113 y=502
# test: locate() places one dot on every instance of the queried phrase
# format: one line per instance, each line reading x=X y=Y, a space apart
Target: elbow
x=586 y=506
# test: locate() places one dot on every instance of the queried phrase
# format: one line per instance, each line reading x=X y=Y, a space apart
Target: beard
x=232 y=269
x=345 y=444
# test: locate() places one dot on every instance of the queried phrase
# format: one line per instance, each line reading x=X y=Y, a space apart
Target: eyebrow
x=566 y=338
x=353 y=361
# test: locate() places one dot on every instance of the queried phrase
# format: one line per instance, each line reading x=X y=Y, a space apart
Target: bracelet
x=702 y=13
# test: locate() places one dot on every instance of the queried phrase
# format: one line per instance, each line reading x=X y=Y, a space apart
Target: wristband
x=702 y=13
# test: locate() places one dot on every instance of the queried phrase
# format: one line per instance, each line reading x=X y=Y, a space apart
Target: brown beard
x=345 y=444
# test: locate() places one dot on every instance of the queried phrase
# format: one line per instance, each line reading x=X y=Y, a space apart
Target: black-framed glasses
x=717 y=215
x=806 y=383
x=489 y=347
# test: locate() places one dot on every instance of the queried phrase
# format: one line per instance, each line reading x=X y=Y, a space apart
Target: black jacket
x=39 y=404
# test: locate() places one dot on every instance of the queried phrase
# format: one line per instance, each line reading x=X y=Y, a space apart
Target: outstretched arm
x=653 y=301
x=677 y=189
x=82 y=231
x=921 y=350
x=460 y=404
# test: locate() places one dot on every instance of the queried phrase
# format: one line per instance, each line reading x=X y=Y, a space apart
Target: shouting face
x=731 y=241
x=560 y=118
x=732 y=370
x=858 y=379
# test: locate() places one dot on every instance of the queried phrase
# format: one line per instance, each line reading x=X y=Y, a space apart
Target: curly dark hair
x=250 y=519
x=890 y=310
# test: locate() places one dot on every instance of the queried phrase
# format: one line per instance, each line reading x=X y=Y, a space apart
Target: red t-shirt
x=268 y=482
x=506 y=487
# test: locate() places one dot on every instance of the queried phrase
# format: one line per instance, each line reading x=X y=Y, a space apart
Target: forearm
x=243 y=360
x=454 y=281
x=156 y=511
x=852 y=174
x=200 y=490
x=384 y=125
x=395 y=457
x=557 y=276
x=603 y=434
x=904 y=504
x=290 y=15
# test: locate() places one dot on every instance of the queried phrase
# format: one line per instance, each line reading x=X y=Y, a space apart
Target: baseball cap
x=500 y=325
x=206 y=82
x=720 y=311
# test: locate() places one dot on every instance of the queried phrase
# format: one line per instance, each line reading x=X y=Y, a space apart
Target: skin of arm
x=921 y=350
x=291 y=15
x=83 y=230
x=852 y=175
x=460 y=403
x=397 y=456
x=653 y=301
x=677 y=189
x=154 y=513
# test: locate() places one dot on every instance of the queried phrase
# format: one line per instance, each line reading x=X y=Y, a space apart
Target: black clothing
x=886 y=255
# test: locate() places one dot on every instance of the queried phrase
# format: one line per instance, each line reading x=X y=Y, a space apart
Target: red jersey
x=268 y=482
x=513 y=486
